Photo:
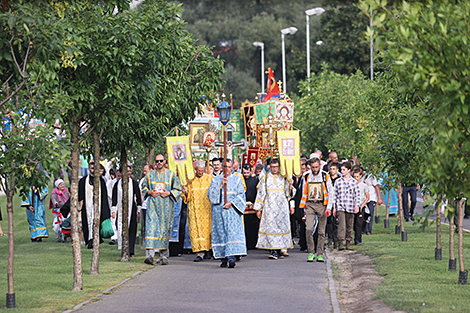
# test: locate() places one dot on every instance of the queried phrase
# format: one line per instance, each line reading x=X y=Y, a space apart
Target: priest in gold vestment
x=199 y=211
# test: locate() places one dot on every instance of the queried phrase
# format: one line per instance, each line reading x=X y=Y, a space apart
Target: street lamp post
x=285 y=31
x=315 y=11
x=261 y=44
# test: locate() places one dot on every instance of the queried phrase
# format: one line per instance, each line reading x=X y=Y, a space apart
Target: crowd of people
x=229 y=208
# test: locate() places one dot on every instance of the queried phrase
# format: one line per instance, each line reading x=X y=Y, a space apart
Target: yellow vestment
x=199 y=213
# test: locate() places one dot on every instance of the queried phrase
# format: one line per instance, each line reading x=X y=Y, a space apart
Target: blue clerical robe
x=228 y=234
x=36 y=219
x=160 y=211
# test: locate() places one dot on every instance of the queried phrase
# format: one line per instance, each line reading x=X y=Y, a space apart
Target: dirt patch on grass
x=355 y=280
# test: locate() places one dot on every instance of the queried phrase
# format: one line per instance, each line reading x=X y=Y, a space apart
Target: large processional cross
x=271 y=126
x=230 y=143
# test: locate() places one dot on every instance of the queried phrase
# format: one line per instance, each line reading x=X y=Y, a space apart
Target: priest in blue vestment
x=163 y=189
x=228 y=235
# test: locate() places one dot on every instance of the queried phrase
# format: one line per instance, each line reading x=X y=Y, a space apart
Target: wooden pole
x=389 y=198
x=460 y=250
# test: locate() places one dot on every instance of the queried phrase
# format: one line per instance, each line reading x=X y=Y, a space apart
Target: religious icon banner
x=237 y=121
x=284 y=112
x=289 y=152
x=262 y=111
x=250 y=122
x=180 y=159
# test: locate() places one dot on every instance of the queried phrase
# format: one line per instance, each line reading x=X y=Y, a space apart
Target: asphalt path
x=256 y=284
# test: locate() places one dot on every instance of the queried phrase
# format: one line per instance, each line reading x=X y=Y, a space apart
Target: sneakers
x=273 y=255
x=149 y=261
x=311 y=257
x=412 y=218
x=320 y=259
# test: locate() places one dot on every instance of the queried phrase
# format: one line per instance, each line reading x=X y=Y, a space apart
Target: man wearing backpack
x=315 y=206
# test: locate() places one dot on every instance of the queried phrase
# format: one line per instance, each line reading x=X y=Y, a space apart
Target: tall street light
x=261 y=44
x=285 y=31
x=315 y=11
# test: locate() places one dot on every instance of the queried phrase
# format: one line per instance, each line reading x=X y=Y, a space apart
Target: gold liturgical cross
x=271 y=126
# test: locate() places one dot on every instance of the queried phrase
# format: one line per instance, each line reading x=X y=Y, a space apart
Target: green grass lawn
x=43 y=271
x=414 y=281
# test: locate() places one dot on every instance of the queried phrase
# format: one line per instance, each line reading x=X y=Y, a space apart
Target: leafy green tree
x=27 y=39
x=428 y=45
x=344 y=48
x=190 y=73
x=135 y=74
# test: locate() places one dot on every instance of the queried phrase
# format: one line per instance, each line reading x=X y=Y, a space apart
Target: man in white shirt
x=374 y=194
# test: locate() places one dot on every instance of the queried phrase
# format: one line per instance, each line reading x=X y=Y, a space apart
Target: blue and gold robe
x=160 y=211
x=228 y=234
x=36 y=219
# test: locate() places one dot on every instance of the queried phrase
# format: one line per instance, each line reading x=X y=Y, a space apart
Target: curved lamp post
x=261 y=44
x=285 y=31
x=315 y=11
x=224 y=110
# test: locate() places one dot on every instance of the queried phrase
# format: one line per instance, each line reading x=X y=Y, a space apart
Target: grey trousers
x=164 y=254
x=312 y=209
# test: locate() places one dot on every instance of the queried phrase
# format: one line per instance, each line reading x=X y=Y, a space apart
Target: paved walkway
x=256 y=284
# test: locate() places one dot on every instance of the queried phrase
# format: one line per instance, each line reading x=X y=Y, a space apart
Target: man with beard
x=250 y=218
x=272 y=201
x=228 y=237
x=316 y=207
x=163 y=189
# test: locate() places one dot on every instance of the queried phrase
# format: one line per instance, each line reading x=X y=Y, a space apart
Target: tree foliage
x=428 y=45
x=355 y=116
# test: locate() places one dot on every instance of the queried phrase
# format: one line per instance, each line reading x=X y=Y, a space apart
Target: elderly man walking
x=228 y=236
x=199 y=211
x=163 y=189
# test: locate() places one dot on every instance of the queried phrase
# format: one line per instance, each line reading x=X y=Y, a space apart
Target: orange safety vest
x=303 y=201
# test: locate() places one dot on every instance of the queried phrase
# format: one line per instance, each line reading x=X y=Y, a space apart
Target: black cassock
x=251 y=220
x=133 y=213
x=104 y=210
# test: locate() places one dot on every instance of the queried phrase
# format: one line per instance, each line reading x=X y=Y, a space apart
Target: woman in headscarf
x=59 y=196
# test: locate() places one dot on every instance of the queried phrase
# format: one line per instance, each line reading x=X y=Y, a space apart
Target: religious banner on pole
x=180 y=159
x=262 y=111
x=236 y=120
x=289 y=152
x=252 y=156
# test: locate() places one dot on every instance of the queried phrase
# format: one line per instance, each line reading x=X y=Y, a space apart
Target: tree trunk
x=150 y=155
x=125 y=257
x=75 y=210
x=438 y=226
x=387 y=208
x=95 y=261
x=461 y=213
x=400 y=208
x=10 y=191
